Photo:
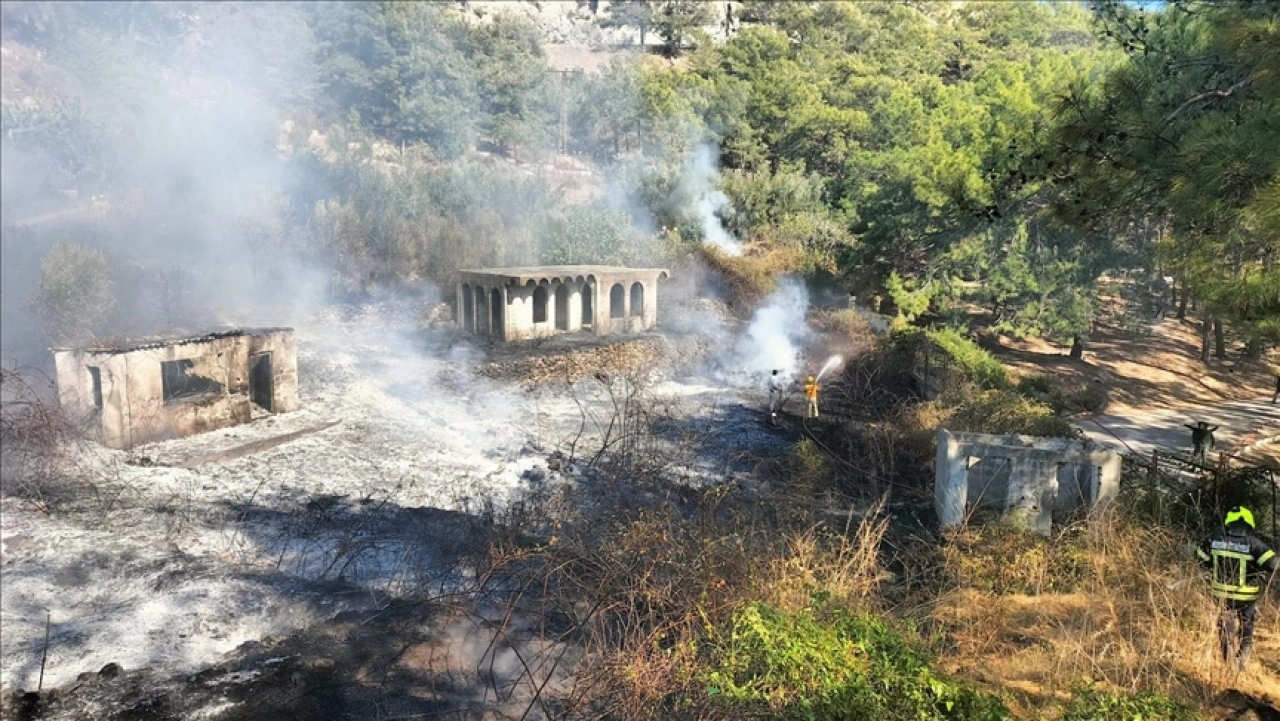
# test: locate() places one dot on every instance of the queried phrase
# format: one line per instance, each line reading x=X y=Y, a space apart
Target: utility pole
x=563 y=147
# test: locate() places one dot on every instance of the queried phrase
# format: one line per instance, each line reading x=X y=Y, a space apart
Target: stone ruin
x=149 y=390
x=1029 y=481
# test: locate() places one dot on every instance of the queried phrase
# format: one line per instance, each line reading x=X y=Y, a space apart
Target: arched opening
x=482 y=311
x=562 y=307
x=467 y=313
x=588 y=307
x=637 y=299
x=495 y=313
x=540 y=304
x=617 y=301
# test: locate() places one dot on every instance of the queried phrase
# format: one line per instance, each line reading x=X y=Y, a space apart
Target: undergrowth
x=826 y=662
x=1091 y=703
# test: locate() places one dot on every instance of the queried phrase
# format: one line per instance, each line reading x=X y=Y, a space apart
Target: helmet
x=1240 y=513
x=810 y=379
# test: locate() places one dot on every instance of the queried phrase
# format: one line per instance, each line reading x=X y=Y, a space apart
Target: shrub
x=40 y=459
x=975 y=363
x=1001 y=559
x=909 y=299
x=1042 y=387
x=1090 y=703
x=1005 y=411
x=593 y=234
x=828 y=663
x=75 y=295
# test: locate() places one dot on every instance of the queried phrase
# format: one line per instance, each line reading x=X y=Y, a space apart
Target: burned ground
x=192 y=564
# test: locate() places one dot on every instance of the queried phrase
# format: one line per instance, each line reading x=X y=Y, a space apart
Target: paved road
x=1163 y=428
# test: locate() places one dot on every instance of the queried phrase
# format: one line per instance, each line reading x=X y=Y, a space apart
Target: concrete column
x=601 y=307
x=594 y=290
x=506 y=320
x=951 y=483
x=575 y=305
x=1109 y=467
x=651 y=304
x=626 y=307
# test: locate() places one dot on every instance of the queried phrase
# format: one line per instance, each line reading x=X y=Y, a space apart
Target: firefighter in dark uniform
x=1240 y=562
x=1201 y=439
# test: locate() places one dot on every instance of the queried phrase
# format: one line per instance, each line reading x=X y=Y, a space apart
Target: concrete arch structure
x=519 y=303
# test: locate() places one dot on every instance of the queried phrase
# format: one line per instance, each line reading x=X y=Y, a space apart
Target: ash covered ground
x=169 y=561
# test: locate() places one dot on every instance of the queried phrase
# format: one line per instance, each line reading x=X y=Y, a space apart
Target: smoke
x=707 y=203
x=176 y=175
x=775 y=335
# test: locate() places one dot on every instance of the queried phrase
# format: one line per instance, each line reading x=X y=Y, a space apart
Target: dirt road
x=1162 y=428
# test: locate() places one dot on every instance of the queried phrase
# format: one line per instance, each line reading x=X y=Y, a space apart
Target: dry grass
x=1138 y=618
x=748 y=278
x=657 y=662
x=844 y=567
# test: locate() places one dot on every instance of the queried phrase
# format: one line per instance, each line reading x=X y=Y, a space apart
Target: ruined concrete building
x=151 y=390
x=1029 y=481
x=519 y=303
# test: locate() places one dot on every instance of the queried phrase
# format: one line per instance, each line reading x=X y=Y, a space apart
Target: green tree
x=510 y=71
x=75 y=296
x=636 y=14
x=1184 y=132
x=678 y=21
x=1038 y=279
x=590 y=234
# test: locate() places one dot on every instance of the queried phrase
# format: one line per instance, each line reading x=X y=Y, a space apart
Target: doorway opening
x=260 y=384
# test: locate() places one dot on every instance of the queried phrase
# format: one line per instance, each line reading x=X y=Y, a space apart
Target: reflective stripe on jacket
x=1239 y=562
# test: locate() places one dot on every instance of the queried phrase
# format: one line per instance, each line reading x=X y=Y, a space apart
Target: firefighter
x=1239 y=561
x=811 y=392
x=775 y=395
x=1201 y=439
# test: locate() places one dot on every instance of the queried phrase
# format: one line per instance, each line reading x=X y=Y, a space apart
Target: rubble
x=534 y=369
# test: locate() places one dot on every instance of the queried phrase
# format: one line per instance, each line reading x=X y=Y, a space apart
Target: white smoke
x=773 y=338
x=700 y=185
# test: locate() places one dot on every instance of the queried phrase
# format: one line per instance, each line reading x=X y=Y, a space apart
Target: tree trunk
x=1182 y=304
x=1219 y=344
x=1253 y=349
x=1077 y=347
x=1206 y=328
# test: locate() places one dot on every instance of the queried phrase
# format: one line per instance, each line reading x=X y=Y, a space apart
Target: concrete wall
x=284 y=367
x=134 y=409
x=1029 y=481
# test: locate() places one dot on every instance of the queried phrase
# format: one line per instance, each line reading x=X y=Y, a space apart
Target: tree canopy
x=1006 y=154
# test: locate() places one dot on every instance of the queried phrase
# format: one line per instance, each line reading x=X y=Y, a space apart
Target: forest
x=1003 y=154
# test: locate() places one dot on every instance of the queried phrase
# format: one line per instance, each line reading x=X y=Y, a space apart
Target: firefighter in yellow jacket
x=1240 y=562
x=811 y=392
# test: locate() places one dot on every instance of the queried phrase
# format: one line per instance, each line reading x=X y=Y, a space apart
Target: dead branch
x=1208 y=95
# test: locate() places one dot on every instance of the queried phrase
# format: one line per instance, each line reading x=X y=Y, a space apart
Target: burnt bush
x=39 y=462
